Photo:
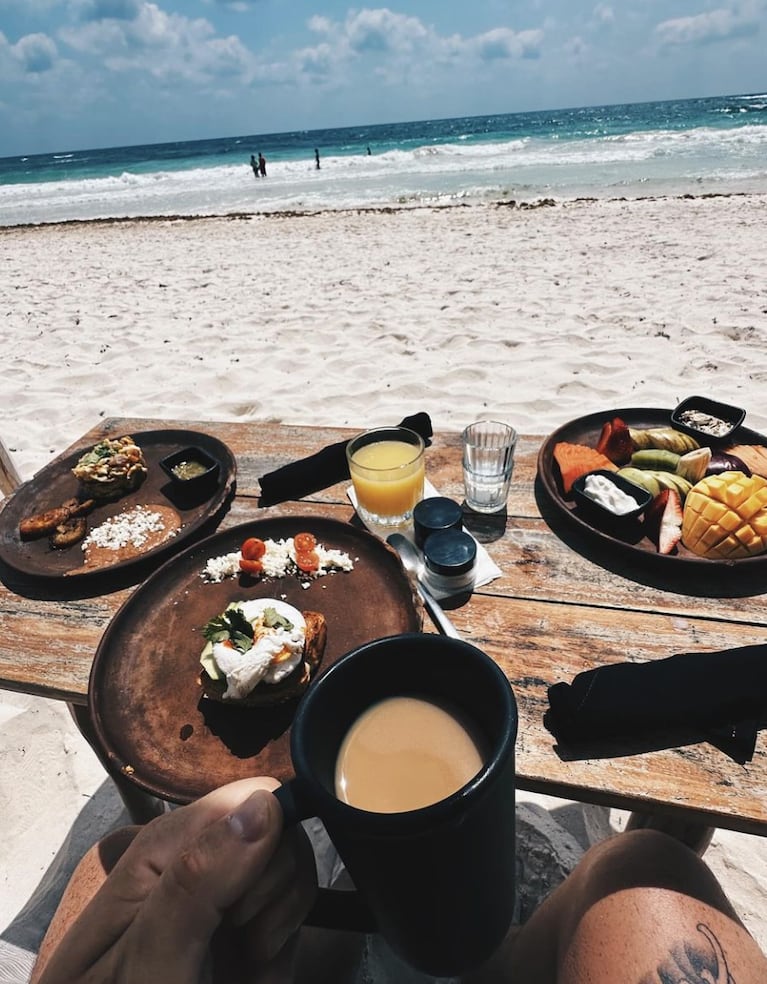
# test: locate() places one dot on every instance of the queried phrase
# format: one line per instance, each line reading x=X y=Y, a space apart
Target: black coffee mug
x=436 y=882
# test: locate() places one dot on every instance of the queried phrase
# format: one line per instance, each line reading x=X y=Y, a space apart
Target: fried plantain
x=68 y=533
x=45 y=523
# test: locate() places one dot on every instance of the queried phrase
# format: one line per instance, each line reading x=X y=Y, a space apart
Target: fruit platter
x=678 y=496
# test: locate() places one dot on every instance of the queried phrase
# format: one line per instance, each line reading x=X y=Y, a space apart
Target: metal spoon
x=411 y=560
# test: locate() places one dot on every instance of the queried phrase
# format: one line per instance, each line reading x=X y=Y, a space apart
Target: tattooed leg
x=640 y=908
x=694 y=962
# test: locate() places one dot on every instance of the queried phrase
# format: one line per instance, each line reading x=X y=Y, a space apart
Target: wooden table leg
x=141 y=806
x=696 y=836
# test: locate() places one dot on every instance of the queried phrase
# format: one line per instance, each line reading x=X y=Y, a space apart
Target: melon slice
x=575 y=460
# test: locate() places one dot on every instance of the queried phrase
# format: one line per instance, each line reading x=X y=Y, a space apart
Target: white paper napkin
x=487 y=570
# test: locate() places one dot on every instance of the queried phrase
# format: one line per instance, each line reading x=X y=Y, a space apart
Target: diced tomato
x=253 y=567
x=307 y=561
x=253 y=548
x=304 y=542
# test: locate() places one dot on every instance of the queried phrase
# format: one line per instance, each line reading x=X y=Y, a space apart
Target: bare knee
x=643 y=906
x=646 y=859
x=631 y=902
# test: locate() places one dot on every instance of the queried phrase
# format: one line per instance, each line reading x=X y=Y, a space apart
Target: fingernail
x=250 y=820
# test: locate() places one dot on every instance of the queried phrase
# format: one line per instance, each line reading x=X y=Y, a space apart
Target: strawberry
x=663 y=520
x=604 y=436
x=615 y=441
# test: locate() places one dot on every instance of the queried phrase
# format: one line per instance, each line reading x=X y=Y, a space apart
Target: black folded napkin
x=324 y=468
x=721 y=696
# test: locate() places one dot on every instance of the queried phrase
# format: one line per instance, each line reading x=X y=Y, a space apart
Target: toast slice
x=268 y=694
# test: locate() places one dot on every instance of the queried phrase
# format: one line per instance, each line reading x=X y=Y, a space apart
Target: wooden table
x=562 y=605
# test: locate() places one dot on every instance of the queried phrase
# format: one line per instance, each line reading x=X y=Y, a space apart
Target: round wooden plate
x=145 y=700
x=586 y=430
x=55 y=484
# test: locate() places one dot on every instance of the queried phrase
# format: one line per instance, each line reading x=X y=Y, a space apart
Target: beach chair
x=10 y=479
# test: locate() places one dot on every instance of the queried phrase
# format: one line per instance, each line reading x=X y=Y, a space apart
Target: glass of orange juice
x=387 y=469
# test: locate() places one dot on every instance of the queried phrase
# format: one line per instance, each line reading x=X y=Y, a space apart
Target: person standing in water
x=317 y=158
x=254 y=165
x=262 y=164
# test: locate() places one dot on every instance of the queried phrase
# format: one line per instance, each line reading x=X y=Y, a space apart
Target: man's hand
x=211 y=891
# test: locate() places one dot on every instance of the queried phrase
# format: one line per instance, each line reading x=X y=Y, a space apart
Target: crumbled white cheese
x=279 y=560
x=333 y=560
x=129 y=528
x=219 y=568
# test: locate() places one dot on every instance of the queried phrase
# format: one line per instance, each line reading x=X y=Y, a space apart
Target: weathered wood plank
x=262 y=447
x=561 y=606
x=60 y=635
x=542 y=555
x=536 y=644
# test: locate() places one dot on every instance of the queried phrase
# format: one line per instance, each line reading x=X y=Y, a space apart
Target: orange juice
x=388 y=478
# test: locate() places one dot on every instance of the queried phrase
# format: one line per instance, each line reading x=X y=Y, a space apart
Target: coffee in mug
x=404 y=753
x=437 y=881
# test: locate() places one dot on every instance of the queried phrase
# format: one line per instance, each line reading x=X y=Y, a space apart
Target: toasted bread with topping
x=292 y=686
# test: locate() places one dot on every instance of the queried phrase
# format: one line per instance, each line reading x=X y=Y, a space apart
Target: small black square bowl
x=201 y=467
x=732 y=416
x=596 y=511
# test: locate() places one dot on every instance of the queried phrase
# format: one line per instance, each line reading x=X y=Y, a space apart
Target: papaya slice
x=575 y=460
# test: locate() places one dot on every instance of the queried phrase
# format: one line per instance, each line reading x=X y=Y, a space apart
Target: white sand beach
x=530 y=315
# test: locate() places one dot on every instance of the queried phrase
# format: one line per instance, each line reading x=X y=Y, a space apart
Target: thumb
x=204 y=879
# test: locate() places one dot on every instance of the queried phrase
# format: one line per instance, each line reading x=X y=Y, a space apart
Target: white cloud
x=396 y=43
x=142 y=39
x=32 y=54
x=316 y=63
x=157 y=43
x=604 y=13
x=36 y=52
x=576 y=47
x=714 y=25
x=320 y=25
x=383 y=31
x=504 y=43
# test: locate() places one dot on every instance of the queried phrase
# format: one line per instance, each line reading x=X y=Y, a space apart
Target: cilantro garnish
x=273 y=620
x=231 y=625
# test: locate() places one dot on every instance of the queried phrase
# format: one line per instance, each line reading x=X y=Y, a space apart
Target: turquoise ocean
x=714 y=145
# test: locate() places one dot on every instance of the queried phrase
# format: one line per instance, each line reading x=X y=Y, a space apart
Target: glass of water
x=488 y=461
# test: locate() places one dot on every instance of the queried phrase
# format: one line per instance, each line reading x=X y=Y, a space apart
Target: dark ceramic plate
x=146 y=703
x=630 y=538
x=55 y=483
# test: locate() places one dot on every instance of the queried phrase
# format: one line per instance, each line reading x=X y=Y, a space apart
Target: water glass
x=488 y=461
x=387 y=469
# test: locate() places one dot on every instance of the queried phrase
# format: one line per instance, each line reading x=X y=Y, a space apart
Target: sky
x=81 y=74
